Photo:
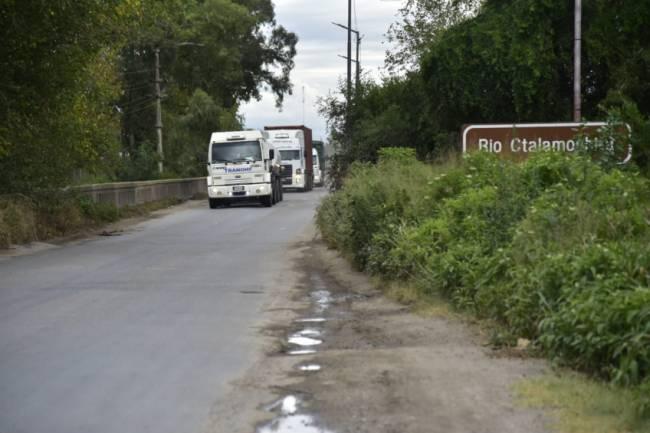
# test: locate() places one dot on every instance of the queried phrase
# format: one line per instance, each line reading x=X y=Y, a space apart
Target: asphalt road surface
x=140 y=332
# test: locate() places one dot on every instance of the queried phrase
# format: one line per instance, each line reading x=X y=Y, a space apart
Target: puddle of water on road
x=289 y=420
x=301 y=352
x=287 y=405
x=309 y=367
x=309 y=332
x=293 y=424
x=311 y=320
x=299 y=340
x=322 y=299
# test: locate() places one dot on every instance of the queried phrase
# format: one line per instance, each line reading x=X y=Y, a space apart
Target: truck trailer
x=294 y=144
x=243 y=166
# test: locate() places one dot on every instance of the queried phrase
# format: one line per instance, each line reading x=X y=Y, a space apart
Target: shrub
x=16 y=220
x=555 y=249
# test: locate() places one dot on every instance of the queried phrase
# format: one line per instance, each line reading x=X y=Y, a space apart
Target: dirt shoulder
x=376 y=366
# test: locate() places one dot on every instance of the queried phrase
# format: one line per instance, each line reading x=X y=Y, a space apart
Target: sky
x=318 y=67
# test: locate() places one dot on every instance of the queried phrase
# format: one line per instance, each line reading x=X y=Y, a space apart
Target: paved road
x=140 y=332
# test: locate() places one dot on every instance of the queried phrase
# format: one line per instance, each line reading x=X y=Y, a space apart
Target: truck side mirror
x=271 y=153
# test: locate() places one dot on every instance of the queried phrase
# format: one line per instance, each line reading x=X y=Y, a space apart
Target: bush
x=555 y=249
x=16 y=220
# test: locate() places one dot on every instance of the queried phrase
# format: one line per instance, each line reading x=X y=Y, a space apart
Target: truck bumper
x=239 y=191
x=297 y=181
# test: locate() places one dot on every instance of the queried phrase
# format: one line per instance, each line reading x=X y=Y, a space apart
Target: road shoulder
x=382 y=367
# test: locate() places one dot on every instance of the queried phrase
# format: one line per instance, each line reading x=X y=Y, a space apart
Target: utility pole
x=159 y=124
x=348 y=58
x=577 y=46
x=358 y=79
x=349 y=53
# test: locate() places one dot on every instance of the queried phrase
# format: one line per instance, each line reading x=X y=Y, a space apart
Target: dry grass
x=408 y=294
x=23 y=220
x=581 y=405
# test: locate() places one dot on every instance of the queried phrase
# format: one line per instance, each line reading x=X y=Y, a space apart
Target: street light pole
x=159 y=124
x=577 y=46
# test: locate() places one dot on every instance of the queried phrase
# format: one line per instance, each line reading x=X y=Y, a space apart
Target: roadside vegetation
x=25 y=219
x=555 y=250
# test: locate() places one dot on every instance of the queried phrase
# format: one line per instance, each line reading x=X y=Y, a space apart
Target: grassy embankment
x=555 y=250
x=49 y=215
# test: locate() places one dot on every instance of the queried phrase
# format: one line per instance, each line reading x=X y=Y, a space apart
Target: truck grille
x=287 y=171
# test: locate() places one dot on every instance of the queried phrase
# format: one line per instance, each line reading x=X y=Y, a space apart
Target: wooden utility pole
x=577 y=46
x=159 y=124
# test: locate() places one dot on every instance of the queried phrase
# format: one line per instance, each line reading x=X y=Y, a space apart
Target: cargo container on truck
x=243 y=166
x=294 y=144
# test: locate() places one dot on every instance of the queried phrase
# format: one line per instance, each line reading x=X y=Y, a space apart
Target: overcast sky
x=318 y=67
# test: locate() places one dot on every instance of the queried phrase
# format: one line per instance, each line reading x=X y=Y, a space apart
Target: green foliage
x=402 y=155
x=77 y=90
x=555 y=249
x=214 y=55
x=464 y=62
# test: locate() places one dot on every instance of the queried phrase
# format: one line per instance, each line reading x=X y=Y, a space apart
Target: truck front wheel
x=267 y=200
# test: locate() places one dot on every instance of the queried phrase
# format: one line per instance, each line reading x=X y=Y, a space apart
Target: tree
x=76 y=82
x=225 y=50
x=421 y=23
x=57 y=79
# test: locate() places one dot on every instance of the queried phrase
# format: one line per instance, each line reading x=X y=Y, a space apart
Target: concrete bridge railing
x=133 y=193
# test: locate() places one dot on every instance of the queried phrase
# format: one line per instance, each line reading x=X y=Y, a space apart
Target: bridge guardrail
x=134 y=193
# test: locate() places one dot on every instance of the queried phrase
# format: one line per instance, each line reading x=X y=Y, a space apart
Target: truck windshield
x=289 y=155
x=236 y=151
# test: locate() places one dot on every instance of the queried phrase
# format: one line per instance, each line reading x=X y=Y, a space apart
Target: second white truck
x=294 y=145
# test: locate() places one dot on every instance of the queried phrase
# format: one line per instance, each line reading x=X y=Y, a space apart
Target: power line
x=150 y=105
x=141 y=71
x=139 y=86
x=139 y=100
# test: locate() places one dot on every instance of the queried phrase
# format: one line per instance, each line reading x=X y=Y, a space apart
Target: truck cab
x=243 y=166
x=318 y=174
x=290 y=144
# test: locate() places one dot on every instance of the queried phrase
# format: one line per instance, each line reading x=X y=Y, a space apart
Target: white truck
x=294 y=145
x=243 y=166
x=318 y=174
